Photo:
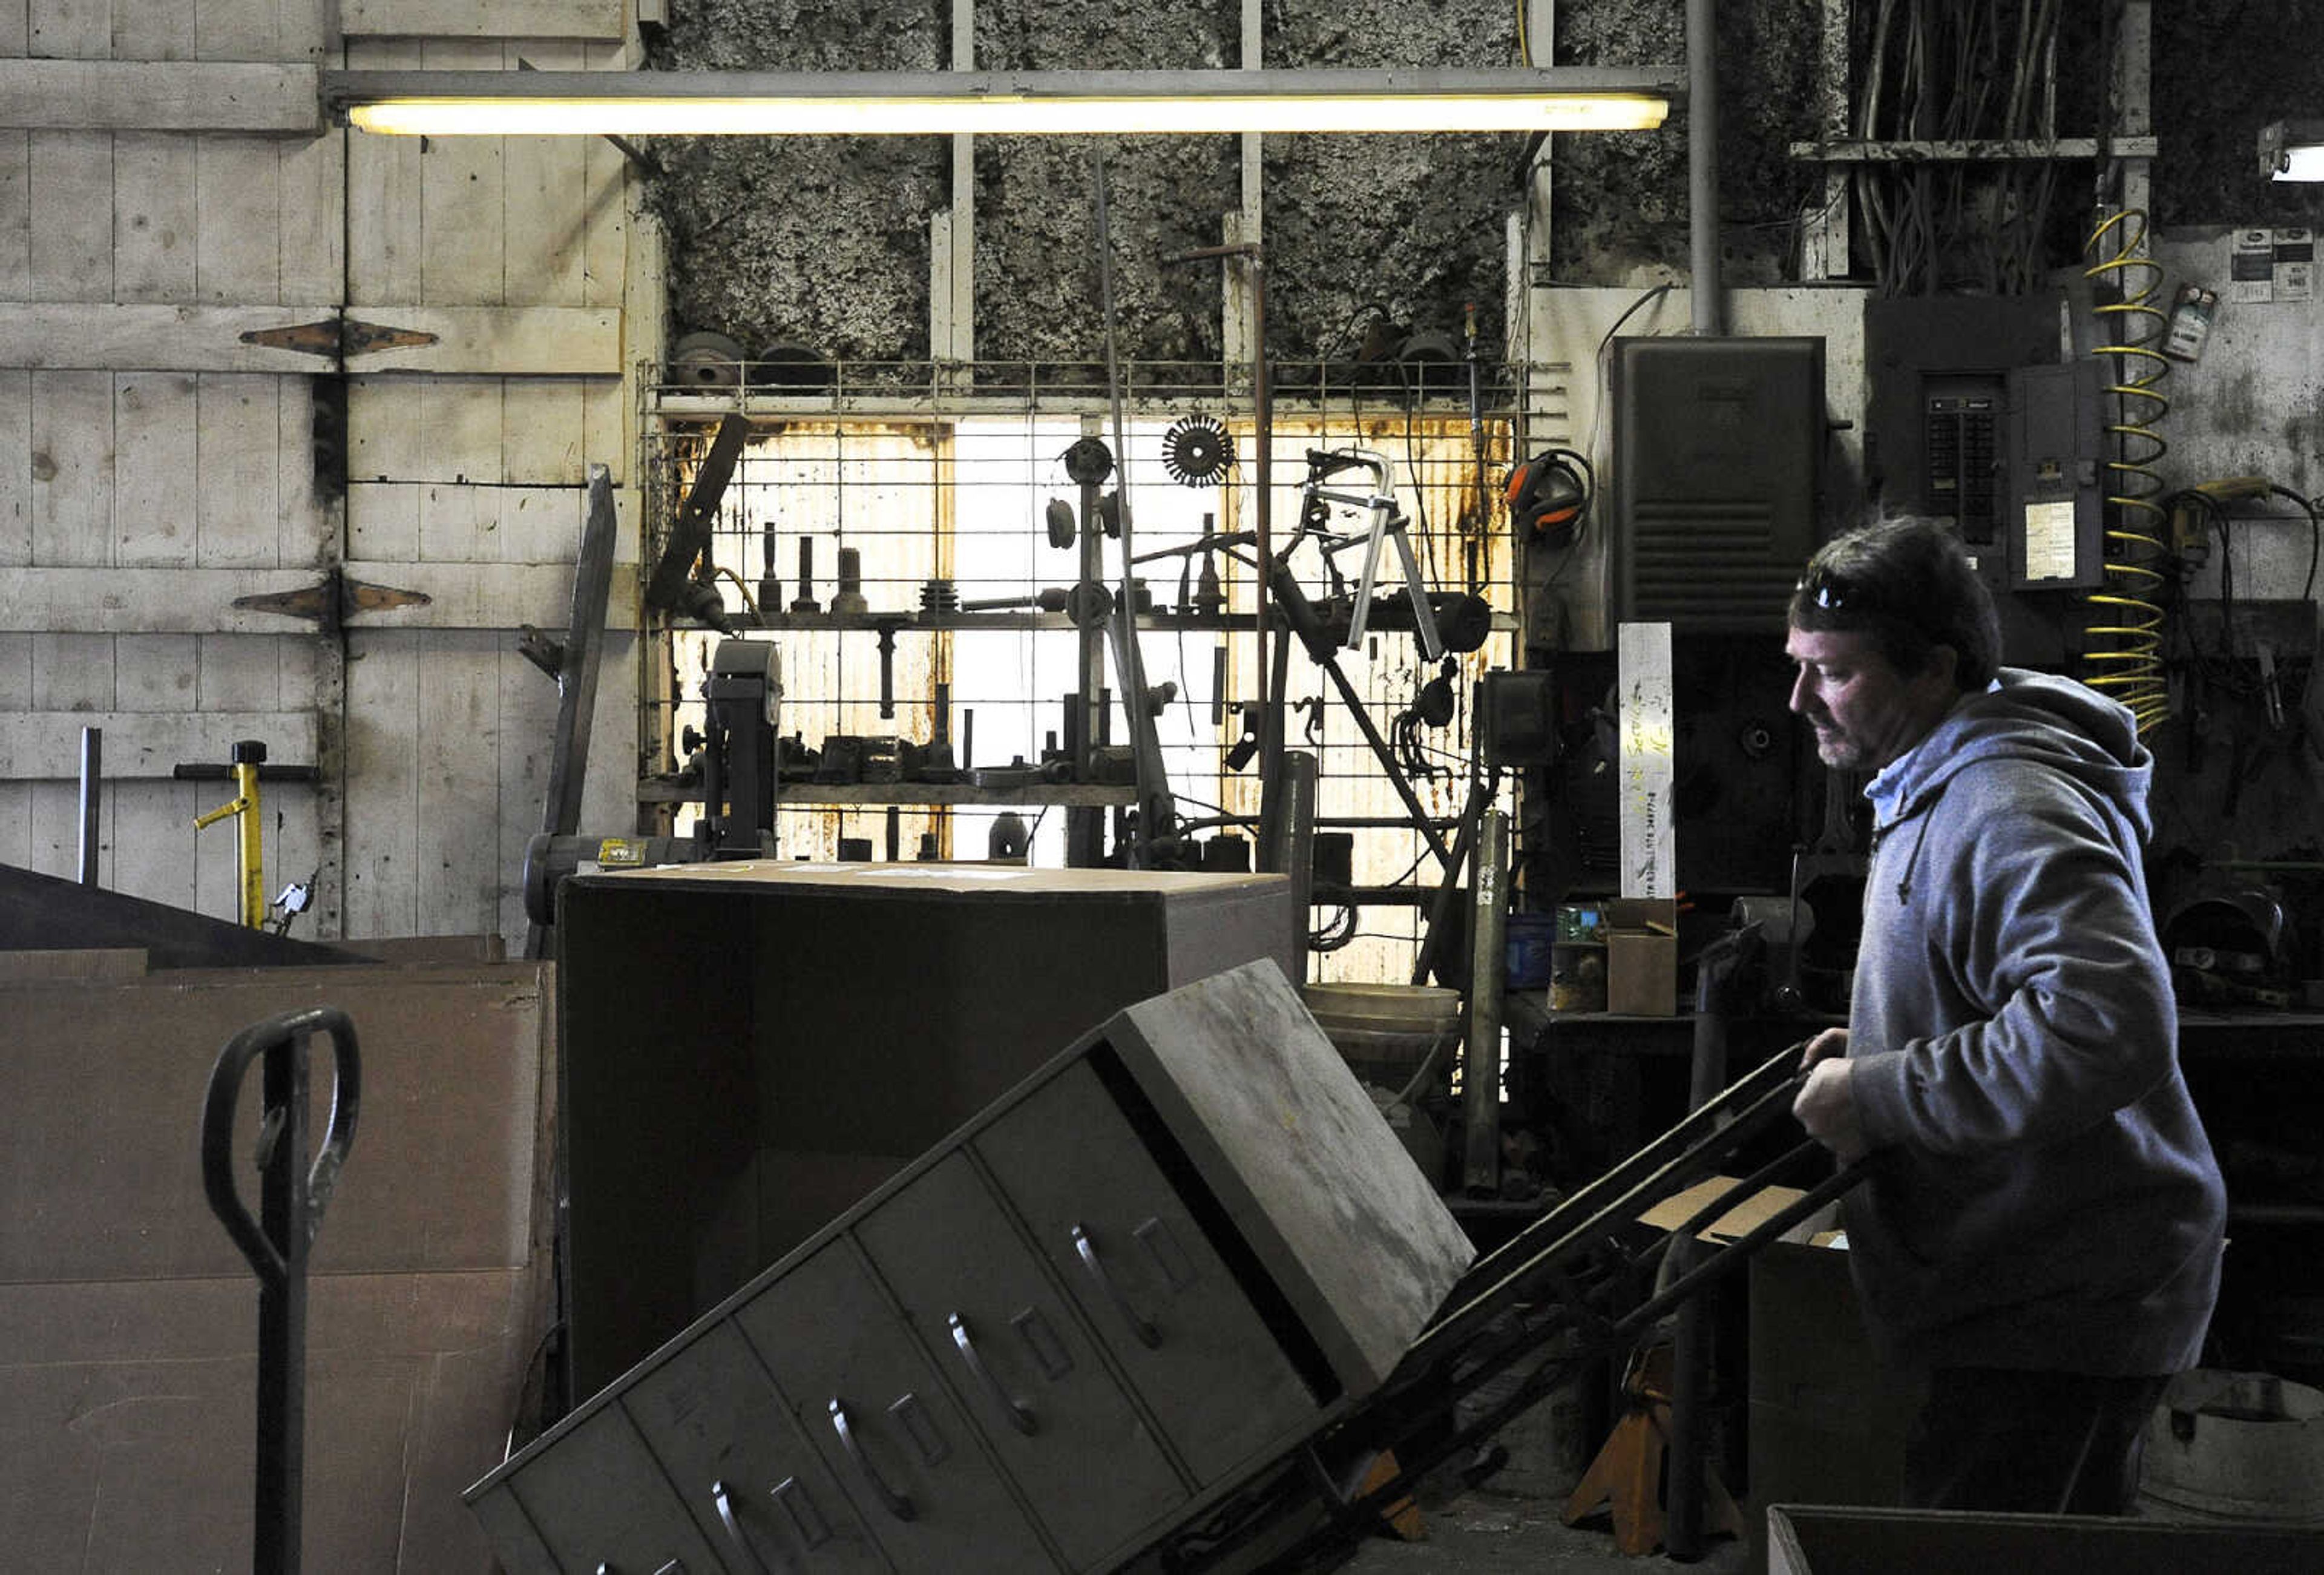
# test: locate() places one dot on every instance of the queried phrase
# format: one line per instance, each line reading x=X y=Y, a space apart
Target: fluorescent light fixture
x=2293 y=149
x=939 y=102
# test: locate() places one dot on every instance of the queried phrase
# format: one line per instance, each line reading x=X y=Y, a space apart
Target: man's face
x=1865 y=713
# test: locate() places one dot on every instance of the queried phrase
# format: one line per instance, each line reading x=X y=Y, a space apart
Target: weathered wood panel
x=62 y=336
x=161 y=672
x=492 y=19
x=154 y=468
x=238 y=255
x=16 y=671
x=158 y=33
x=236 y=503
x=313 y=220
x=259 y=30
x=71 y=450
x=483 y=431
x=68 y=217
x=461 y=867
x=463 y=215
x=510 y=339
x=44 y=745
x=241 y=95
x=16 y=502
x=156 y=218
x=543 y=428
x=382 y=195
x=16 y=215
x=201 y=601
x=16 y=825
x=496 y=524
x=71 y=672
x=148 y=846
x=69 y=29
x=382 y=806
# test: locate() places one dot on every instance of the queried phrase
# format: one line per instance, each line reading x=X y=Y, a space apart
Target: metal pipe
x=1480 y=1068
x=1702 y=164
x=92 y=775
x=1297 y=858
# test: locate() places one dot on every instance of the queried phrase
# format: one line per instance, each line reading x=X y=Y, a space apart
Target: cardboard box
x=1826 y=1421
x=1819 y=1540
x=1642 y=956
x=129 y=1321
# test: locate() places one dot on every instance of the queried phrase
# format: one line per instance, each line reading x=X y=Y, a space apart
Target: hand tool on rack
x=1383 y=519
x=292 y=1197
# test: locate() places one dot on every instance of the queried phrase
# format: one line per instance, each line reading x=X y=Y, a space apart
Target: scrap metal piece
x=689 y=533
x=1198 y=452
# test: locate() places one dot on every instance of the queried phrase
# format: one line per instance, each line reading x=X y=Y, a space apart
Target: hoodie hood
x=2024 y=715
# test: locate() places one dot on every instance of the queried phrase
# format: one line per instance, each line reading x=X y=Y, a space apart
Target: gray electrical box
x=2055 y=522
x=1717 y=470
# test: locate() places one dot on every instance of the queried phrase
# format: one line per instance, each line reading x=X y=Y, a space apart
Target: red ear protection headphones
x=1549 y=497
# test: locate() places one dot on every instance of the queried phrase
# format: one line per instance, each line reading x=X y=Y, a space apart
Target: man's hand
x=1829 y=1042
x=1826 y=1106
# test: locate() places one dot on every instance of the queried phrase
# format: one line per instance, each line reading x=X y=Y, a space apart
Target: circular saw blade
x=1198 y=452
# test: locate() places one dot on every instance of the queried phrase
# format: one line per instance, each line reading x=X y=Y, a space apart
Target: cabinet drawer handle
x=720 y=1496
x=1147 y=1335
x=1021 y=1415
x=899 y=1505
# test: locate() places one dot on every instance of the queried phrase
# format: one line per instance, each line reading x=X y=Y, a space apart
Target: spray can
x=2190 y=322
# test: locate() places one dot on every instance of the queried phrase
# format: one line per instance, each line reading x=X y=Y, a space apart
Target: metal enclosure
x=1151 y=1269
x=1718 y=459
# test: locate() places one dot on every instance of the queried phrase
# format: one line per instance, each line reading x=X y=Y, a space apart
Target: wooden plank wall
x=155 y=467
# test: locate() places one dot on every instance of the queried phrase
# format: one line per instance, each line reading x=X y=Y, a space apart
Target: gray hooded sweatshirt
x=2047 y=1199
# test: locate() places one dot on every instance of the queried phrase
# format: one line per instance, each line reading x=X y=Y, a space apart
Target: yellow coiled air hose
x=2124 y=652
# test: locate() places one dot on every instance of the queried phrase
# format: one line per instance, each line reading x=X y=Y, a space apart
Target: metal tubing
x=1297 y=857
x=92 y=776
x=1480 y=1069
x=1702 y=164
x=250 y=863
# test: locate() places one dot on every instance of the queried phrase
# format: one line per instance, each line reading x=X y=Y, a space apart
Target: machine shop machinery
x=738 y=759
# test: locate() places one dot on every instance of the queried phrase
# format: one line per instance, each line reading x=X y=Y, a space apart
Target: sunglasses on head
x=1835 y=594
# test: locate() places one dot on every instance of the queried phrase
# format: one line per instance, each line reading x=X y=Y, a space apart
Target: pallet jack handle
x=292 y=1197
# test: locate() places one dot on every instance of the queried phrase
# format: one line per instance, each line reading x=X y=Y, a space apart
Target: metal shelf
x=667 y=789
x=989 y=622
x=1072 y=794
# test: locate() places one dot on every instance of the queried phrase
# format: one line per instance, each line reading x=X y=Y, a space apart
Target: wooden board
x=89 y=94
x=494 y=19
x=46 y=744
x=201 y=601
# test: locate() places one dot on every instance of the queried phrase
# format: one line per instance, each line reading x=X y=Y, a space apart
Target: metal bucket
x=1385 y=1031
x=2235 y=1446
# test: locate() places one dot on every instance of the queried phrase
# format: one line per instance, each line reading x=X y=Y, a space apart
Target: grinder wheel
x=1197 y=451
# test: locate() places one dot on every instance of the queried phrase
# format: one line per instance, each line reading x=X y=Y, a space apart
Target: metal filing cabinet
x=1131 y=1285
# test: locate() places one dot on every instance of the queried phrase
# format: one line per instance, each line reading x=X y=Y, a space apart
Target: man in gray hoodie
x=2043 y=1227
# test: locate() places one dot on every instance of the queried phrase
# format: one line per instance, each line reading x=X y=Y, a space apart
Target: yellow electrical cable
x=2126 y=655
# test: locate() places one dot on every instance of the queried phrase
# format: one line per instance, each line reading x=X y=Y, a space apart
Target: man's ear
x=1945 y=662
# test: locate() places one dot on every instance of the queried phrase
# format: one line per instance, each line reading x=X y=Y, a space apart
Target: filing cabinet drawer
x=1006 y=1337
x=600 y=1503
x=883 y=1424
x=757 y=1488
x=1145 y=1274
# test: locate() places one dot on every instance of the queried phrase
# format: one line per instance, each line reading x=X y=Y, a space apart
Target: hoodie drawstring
x=1919 y=810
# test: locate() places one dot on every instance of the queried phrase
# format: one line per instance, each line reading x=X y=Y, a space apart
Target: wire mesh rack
x=940 y=489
